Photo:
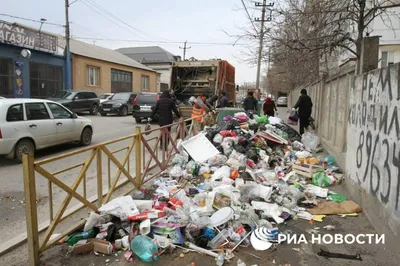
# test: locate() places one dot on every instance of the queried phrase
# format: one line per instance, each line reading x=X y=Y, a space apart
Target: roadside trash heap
x=230 y=186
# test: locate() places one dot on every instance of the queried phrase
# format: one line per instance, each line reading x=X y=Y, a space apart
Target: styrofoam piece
x=259 y=244
x=200 y=148
x=221 y=216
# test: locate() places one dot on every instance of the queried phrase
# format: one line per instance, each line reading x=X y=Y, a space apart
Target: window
x=145 y=83
x=58 y=111
x=93 y=76
x=90 y=95
x=15 y=113
x=45 y=80
x=36 y=111
x=121 y=81
x=387 y=59
x=6 y=78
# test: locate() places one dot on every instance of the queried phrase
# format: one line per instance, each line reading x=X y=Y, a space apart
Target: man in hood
x=164 y=108
x=305 y=108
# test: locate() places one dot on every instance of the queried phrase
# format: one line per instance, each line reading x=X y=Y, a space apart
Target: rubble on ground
x=232 y=185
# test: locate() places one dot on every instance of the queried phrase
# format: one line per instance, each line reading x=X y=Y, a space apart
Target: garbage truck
x=193 y=77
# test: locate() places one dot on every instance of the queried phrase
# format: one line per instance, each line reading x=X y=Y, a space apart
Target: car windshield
x=104 y=96
x=121 y=96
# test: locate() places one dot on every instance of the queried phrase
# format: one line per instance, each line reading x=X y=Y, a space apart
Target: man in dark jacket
x=164 y=108
x=250 y=103
x=305 y=108
x=223 y=100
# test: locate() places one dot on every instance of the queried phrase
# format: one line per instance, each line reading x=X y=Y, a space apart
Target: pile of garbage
x=230 y=186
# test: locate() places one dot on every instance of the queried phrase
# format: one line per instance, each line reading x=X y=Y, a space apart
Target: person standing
x=223 y=100
x=200 y=108
x=269 y=107
x=164 y=108
x=304 y=104
x=250 y=103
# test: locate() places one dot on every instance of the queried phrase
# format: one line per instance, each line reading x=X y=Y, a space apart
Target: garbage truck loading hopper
x=192 y=78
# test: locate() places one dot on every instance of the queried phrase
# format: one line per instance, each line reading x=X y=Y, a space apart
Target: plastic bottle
x=75 y=238
x=144 y=248
x=220 y=258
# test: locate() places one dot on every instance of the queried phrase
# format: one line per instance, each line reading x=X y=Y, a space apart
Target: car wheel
x=94 y=110
x=103 y=114
x=124 y=111
x=138 y=120
x=86 y=136
x=23 y=146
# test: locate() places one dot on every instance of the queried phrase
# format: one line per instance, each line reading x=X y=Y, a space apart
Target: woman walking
x=269 y=107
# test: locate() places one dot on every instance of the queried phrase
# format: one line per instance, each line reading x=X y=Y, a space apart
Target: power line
x=155 y=41
x=118 y=19
x=32 y=20
x=248 y=16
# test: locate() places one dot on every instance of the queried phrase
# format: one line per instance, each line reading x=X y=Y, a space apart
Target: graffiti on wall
x=373 y=140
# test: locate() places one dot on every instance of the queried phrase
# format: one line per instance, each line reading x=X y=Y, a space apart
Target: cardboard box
x=93 y=244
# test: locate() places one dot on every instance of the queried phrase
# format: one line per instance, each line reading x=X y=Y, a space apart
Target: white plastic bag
x=176 y=172
x=221 y=173
x=219 y=159
x=218 y=138
x=310 y=141
x=121 y=207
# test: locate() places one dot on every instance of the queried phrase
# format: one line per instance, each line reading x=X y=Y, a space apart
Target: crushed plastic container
x=144 y=248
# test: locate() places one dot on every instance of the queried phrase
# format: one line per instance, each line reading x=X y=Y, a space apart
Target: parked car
x=78 y=101
x=105 y=97
x=282 y=101
x=143 y=105
x=27 y=125
x=120 y=103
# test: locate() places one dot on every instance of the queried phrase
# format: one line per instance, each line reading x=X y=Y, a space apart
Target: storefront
x=31 y=63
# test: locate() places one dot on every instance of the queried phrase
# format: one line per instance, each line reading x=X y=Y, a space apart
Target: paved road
x=12 y=212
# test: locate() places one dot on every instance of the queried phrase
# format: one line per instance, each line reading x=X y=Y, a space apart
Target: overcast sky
x=157 y=20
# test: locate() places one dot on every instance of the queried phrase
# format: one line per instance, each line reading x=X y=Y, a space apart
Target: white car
x=27 y=125
x=105 y=97
x=282 y=101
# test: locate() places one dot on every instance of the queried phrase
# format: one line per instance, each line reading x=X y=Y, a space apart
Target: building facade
x=103 y=70
x=156 y=58
x=39 y=75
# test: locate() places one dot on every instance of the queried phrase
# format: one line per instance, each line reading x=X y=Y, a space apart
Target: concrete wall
x=373 y=150
x=358 y=121
x=79 y=76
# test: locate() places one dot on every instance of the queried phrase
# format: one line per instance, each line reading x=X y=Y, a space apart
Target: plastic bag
x=221 y=173
x=262 y=119
x=291 y=122
x=227 y=144
x=336 y=198
x=121 y=207
x=176 y=172
x=294 y=116
x=227 y=118
x=219 y=159
x=321 y=179
x=310 y=141
x=205 y=169
x=227 y=133
x=254 y=191
x=179 y=160
x=236 y=160
x=218 y=138
x=330 y=160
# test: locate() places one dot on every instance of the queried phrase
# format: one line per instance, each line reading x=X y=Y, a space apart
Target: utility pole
x=184 y=49
x=260 y=48
x=67 y=48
